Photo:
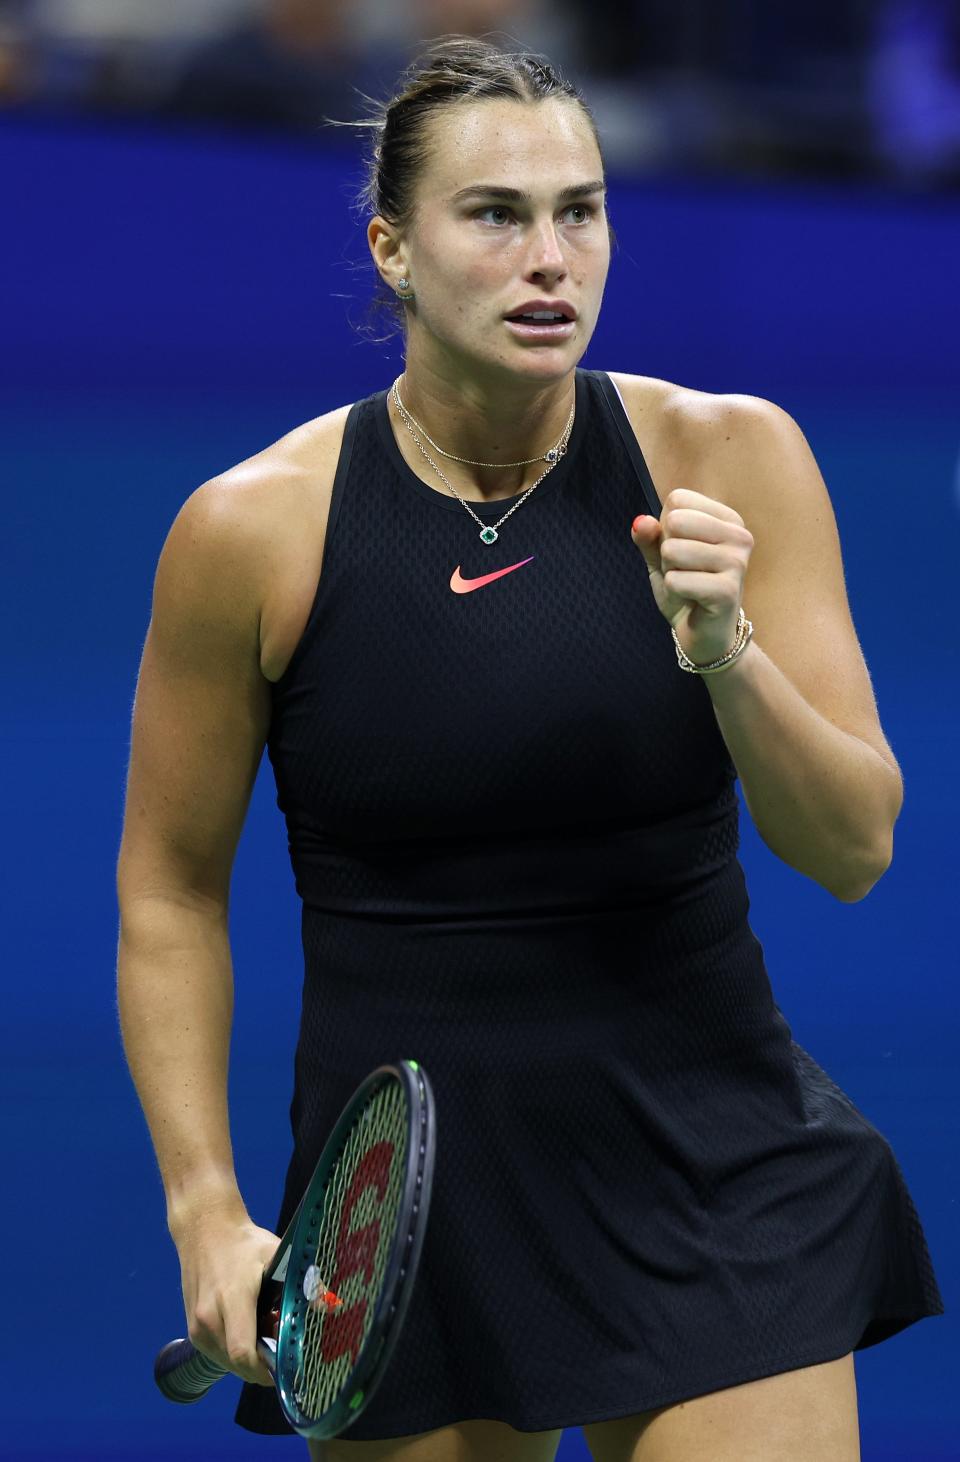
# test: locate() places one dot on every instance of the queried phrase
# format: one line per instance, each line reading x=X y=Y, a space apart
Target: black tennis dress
x=514 y=827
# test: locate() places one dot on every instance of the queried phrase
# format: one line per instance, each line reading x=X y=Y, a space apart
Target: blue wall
x=172 y=301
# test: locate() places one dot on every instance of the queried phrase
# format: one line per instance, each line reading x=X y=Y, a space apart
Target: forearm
x=175 y=998
x=822 y=800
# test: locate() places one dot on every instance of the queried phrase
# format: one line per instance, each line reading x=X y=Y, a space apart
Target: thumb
x=646 y=532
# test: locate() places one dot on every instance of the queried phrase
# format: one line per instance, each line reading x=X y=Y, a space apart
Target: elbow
x=852 y=895
x=868 y=872
x=866 y=867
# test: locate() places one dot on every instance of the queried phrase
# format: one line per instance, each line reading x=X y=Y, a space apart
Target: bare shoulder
x=276 y=503
x=648 y=395
x=283 y=475
x=683 y=409
x=693 y=437
x=670 y=423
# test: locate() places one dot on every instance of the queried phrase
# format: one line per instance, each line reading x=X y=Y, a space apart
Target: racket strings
x=377 y=1145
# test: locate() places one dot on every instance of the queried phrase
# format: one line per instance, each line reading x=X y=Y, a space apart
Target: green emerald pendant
x=489 y=535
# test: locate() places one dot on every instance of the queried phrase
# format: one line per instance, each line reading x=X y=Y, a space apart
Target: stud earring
x=401 y=285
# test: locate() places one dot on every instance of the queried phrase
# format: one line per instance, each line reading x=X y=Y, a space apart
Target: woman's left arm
x=796 y=708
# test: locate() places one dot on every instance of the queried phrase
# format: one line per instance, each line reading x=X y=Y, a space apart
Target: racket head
x=350 y=1255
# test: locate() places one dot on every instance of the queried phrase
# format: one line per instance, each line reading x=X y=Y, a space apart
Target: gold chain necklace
x=488 y=534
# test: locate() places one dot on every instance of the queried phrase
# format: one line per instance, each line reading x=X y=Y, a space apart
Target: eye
x=493 y=208
x=586 y=211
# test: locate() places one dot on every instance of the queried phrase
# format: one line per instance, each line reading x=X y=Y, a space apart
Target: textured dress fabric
x=513 y=824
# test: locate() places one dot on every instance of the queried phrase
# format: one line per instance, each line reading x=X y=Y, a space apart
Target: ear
x=387 y=250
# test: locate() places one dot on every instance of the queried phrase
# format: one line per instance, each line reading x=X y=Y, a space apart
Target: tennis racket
x=334 y=1295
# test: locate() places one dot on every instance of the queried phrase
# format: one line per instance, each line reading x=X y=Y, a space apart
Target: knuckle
x=240 y=1356
x=203 y=1323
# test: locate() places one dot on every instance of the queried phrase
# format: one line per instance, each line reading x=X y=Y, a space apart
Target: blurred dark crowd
x=828 y=88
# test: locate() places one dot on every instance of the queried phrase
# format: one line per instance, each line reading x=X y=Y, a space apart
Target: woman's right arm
x=200 y=721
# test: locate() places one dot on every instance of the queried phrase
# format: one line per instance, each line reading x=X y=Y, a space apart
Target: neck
x=492 y=422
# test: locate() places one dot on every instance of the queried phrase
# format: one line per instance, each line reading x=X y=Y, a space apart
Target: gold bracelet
x=744 y=635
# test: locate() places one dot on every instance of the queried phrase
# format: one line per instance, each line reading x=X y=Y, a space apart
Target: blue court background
x=173 y=299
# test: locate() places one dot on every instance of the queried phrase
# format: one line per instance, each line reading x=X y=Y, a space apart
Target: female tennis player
x=510 y=630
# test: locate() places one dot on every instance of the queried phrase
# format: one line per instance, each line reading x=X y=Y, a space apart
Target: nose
x=546 y=260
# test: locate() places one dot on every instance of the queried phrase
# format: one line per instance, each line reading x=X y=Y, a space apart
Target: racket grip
x=183 y=1373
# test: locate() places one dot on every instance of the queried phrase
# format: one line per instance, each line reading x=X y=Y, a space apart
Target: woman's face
x=476 y=257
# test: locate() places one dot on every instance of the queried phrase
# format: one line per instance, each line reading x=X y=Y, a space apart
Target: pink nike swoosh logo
x=460 y=585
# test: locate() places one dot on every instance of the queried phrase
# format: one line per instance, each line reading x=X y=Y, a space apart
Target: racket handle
x=183 y=1373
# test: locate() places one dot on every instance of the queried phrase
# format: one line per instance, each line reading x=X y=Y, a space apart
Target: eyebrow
x=517 y=195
